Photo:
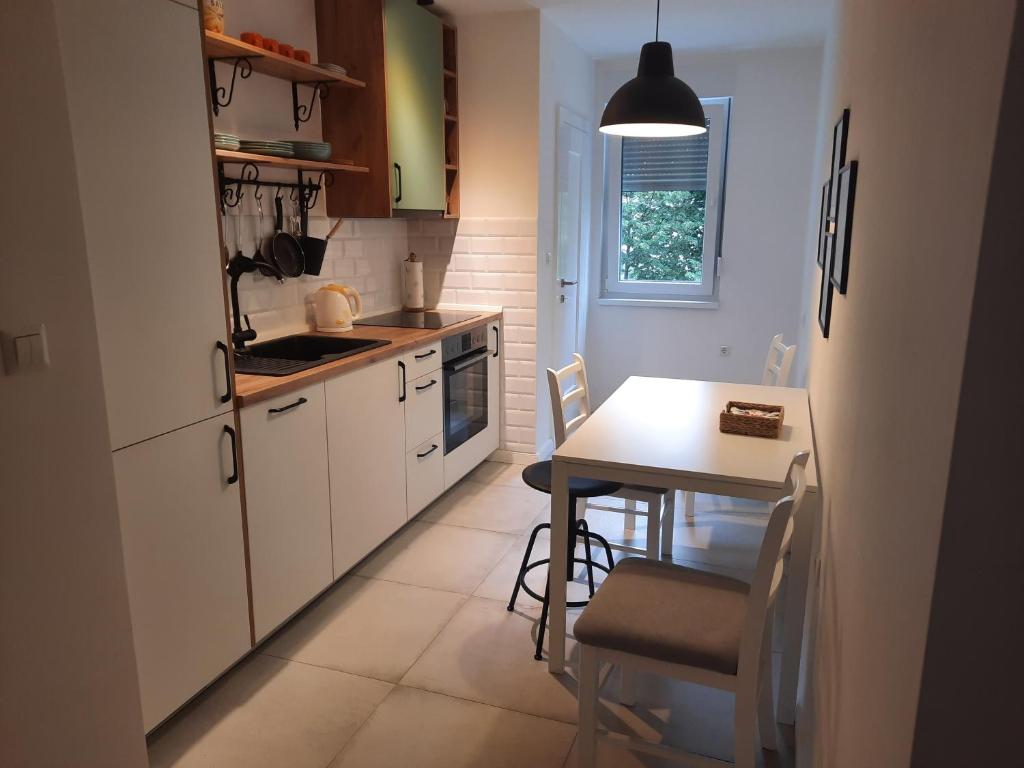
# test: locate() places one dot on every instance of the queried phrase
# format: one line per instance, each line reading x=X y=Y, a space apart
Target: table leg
x=557 y=566
x=796 y=605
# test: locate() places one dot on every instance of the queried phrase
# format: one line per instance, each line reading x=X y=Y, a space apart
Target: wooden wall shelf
x=228 y=156
x=274 y=64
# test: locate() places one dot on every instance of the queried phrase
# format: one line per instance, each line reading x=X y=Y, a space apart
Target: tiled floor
x=413 y=660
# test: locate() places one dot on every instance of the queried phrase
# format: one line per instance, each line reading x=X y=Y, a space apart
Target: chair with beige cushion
x=570 y=407
x=700 y=627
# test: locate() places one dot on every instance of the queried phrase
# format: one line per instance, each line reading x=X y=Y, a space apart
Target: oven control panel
x=460 y=344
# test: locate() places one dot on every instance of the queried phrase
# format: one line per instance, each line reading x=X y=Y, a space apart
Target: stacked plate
x=312 y=150
x=271 y=148
x=333 y=68
x=226 y=141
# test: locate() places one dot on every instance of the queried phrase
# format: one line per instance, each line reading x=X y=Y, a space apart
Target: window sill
x=622 y=301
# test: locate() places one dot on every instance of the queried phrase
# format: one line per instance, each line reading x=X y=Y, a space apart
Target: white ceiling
x=608 y=28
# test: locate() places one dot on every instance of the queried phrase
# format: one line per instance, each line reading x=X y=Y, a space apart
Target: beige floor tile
x=444 y=557
x=427 y=730
x=269 y=712
x=366 y=626
x=485 y=654
x=488 y=506
x=498 y=473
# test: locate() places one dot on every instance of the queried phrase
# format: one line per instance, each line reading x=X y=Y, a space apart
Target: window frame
x=662 y=292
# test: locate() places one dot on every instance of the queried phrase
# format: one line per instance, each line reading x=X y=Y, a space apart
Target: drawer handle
x=283 y=408
x=424 y=455
x=227 y=372
x=423 y=387
x=233 y=478
x=497 y=340
x=425 y=355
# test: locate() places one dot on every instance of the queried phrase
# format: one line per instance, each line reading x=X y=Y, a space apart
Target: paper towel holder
x=412 y=285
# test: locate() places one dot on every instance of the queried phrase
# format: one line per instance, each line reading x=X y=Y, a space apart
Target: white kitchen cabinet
x=366 y=453
x=288 y=504
x=424 y=471
x=145 y=176
x=181 y=531
x=422 y=361
x=424 y=409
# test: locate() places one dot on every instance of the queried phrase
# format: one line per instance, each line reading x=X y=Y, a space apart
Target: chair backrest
x=768 y=573
x=569 y=395
x=778 y=363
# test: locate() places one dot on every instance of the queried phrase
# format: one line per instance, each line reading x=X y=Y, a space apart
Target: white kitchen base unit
x=288 y=504
x=181 y=530
x=424 y=472
x=366 y=454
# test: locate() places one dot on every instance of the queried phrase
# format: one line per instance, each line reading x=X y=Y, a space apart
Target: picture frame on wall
x=825 y=297
x=839 y=136
x=846 y=187
x=823 y=225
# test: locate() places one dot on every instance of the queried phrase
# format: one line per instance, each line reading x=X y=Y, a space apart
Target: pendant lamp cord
x=657 y=21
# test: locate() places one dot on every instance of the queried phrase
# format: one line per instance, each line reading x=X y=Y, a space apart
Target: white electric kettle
x=335 y=307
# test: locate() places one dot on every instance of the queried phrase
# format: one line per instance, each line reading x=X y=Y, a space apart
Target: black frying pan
x=285 y=250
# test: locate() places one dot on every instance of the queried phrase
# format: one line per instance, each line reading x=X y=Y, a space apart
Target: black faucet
x=239 y=265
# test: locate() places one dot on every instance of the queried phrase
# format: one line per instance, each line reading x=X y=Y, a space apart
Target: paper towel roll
x=412 y=286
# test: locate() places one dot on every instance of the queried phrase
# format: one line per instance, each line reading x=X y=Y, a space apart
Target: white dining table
x=664 y=433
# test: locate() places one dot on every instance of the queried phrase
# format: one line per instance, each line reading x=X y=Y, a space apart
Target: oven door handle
x=463 y=364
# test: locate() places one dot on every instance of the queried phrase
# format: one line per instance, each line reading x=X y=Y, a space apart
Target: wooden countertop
x=251 y=389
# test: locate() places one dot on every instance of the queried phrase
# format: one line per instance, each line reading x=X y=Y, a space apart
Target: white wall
x=566 y=80
x=764 y=241
x=68 y=685
x=884 y=387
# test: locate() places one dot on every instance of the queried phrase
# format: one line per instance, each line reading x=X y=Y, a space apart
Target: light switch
x=30 y=349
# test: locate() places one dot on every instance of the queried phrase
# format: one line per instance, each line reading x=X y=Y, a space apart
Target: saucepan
x=285 y=251
x=314 y=248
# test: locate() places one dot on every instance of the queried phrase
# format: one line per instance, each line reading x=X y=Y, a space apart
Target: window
x=663 y=212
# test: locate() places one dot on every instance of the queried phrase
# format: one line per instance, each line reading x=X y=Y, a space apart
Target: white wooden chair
x=690 y=625
x=570 y=394
x=778 y=363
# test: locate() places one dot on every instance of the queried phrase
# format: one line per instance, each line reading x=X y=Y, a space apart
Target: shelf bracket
x=221 y=97
x=303 y=112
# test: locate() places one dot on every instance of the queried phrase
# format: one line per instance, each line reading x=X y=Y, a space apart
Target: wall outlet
x=723 y=350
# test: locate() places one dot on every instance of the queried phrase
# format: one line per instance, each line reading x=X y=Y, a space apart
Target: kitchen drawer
x=424 y=409
x=422 y=361
x=424 y=471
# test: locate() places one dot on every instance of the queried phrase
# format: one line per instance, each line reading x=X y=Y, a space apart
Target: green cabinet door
x=415 y=88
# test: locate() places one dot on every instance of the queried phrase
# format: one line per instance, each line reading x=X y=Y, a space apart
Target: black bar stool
x=538 y=476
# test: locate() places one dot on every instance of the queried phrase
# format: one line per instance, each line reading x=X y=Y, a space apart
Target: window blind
x=663 y=165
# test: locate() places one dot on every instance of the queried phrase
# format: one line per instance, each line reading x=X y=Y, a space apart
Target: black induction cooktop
x=428 y=320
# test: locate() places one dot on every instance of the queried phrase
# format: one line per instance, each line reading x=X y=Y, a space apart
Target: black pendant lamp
x=655 y=103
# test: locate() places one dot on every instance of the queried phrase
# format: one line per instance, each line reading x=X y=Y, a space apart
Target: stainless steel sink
x=292 y=354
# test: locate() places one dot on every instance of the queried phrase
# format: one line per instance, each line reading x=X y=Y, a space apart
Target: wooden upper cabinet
x=396 y=125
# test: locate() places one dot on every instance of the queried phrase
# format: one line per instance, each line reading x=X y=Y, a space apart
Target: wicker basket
x=754 y=426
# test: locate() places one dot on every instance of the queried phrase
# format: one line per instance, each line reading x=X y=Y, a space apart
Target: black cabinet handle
x=401 y=398
x=424 y=455
x=398 y=170
x=234 y=455
x=227 y=372
x=425 y=355
x=283 y=408
x=423 y=387
x=497 y=340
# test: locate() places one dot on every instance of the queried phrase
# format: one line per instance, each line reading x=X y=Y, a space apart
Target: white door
x=366 y=454
x=288 y=504
x=571 y=187
x=181 y=530
x=142 y=151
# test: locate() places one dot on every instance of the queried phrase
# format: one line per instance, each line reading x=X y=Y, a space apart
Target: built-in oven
x=464 y=361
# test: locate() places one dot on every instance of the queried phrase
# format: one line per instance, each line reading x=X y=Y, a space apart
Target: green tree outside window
x=662 y=236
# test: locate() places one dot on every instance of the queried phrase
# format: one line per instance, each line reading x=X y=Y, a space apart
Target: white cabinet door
x=424 y=471
x=366 y=450
x=288 y=504
x=424 y=409
x=142 y=153
x=181 y=530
